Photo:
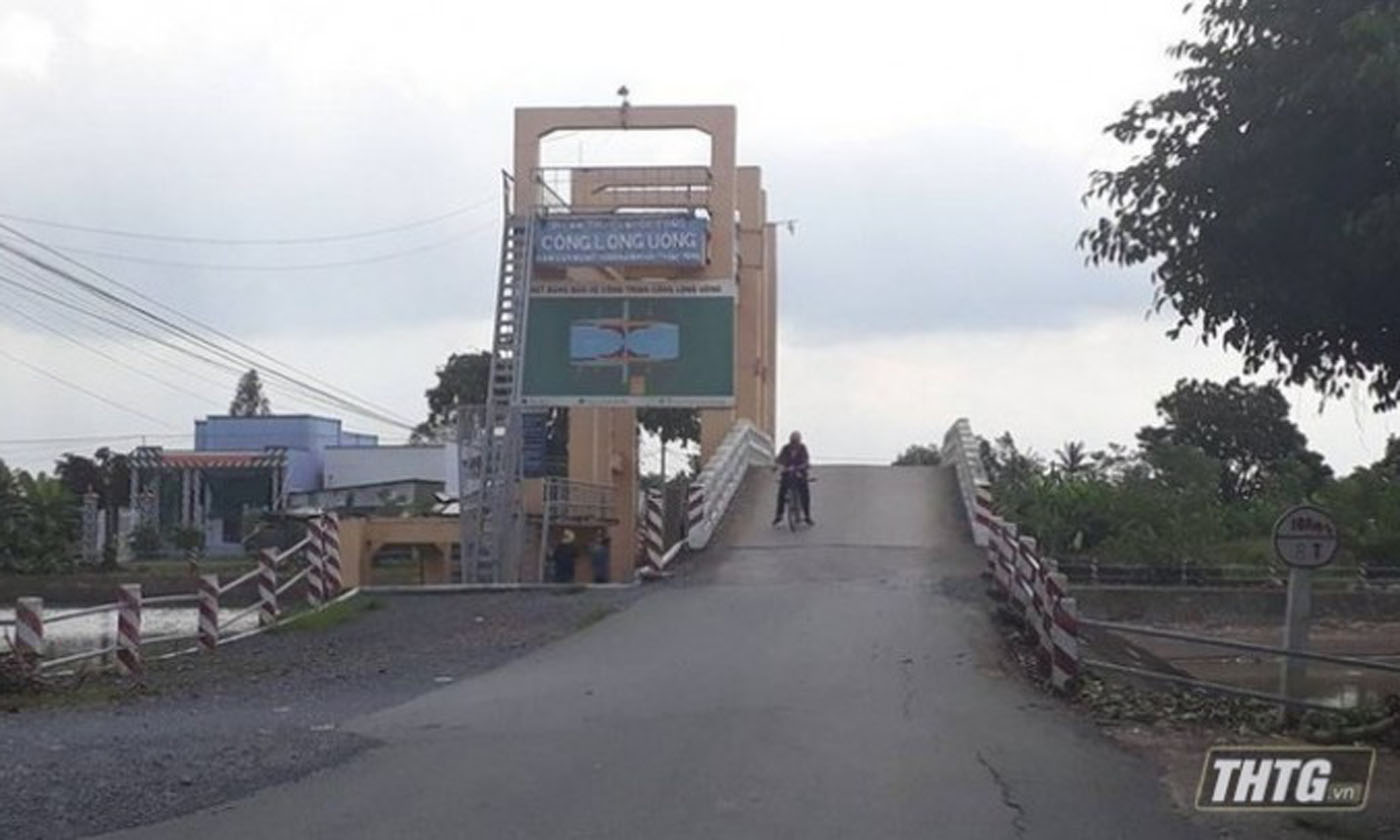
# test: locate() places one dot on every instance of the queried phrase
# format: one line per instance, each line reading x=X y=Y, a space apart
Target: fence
x=1034 y=590
x=1027 y=585
x=1093 y=573
x=715 y=486
x=320 y=556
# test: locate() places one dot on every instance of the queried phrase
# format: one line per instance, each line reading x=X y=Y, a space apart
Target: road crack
x=1018 y=822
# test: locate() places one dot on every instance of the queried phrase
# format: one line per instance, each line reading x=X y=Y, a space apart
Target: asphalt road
x=838 y=682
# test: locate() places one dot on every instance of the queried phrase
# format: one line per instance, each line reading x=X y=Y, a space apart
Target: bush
x=146 y=542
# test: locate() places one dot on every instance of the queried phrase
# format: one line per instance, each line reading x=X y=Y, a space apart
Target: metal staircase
x=499 y=525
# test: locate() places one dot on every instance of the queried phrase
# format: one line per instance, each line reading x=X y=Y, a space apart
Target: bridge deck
x=838 y=682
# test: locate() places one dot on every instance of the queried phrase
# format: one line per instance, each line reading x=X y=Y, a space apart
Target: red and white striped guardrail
x=209 y=612
x=29 y=631
x=1026 y=584
x=330 y=554
x=30 y=618
x=653 y=530
x=129 y=627
x=715 y=486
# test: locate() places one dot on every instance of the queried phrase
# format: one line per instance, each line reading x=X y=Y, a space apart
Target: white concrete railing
x=713 y=490
x=962 y=449
x=1027 y=584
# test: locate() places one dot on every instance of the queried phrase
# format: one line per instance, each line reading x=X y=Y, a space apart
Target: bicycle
x=793 y=503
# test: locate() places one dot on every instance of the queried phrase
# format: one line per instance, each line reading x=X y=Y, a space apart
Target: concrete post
x=1297 y=616
x=129 y=628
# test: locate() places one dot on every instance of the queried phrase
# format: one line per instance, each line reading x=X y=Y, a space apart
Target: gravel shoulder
x=207 y=729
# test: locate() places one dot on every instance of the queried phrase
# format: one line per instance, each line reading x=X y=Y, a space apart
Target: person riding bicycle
x=794 y=461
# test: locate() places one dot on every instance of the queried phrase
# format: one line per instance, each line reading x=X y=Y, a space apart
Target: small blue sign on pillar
x=534 y=460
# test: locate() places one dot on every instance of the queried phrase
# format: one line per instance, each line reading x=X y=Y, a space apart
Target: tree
x=461 y=381
x=51 y=522
x=1072 y=459
x=108 y=474
x=1007 y=465
x=1244 y=427
x=670 y=424
x=1268 y=196
x=918 y=455
x=13 y=520
x=248 y=399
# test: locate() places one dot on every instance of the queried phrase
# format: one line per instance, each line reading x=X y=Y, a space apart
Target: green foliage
x=146 y=541
x=187 y=537
x=249 y=399
x=108 y=474
x=671 y=424
x=464 y=380
x=461 y=381
x=918 y=455
x=38 y=522
x=1205 y=487
x=1244 y=427
x=1267 y=197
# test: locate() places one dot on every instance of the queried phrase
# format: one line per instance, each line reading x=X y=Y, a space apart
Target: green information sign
x=639 y=351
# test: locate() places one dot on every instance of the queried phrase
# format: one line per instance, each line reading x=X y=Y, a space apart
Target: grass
x=331 y=616
x=83 y=690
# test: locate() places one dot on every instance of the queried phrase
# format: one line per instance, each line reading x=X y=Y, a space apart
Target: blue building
x=237 y=464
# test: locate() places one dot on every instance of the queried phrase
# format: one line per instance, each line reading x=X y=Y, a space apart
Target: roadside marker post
x=1305 y=538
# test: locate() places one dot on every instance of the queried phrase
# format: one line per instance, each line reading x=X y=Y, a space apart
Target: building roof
x=154 y=457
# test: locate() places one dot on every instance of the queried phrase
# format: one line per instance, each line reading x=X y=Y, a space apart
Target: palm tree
x=1072 y=459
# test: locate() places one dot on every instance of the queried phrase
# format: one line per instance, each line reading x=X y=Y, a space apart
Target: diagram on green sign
x=629 y=351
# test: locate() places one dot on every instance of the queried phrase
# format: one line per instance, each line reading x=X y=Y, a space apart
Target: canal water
x=99 y=630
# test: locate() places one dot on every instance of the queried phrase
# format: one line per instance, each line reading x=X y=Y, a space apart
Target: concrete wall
x=355 y=465
x=369 y=497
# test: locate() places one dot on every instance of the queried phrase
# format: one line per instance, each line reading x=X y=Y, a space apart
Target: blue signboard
x=535 y=446
x=621 y=241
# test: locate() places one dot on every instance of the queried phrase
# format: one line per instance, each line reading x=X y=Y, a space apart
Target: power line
x=276 y=386
x=55 y=377
x=346 y=398
x=88 y=439
x=349 y=403
x=378 y=258
x=109 y=357
x=217 y=240
x=68 y=303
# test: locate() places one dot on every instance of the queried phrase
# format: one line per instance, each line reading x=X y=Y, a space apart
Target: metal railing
x=602 y=189
x=1227 y=644
x=715 y=486
x=1232 y=575
x=567 y=499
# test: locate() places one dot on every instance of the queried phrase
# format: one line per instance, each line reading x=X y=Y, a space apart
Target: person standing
x=599 y=556
x=565 y=553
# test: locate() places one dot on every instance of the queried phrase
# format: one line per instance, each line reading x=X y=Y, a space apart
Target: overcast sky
x=933 y=156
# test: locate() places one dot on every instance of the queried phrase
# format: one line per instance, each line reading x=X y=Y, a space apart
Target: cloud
x=27 y=45
x=867 y=399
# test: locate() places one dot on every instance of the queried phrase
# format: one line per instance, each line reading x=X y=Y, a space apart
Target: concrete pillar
x=749 y=313
x=354 y=554
x=603 y=450
x=185 y=498
x=770 y=322
x=714 y=425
